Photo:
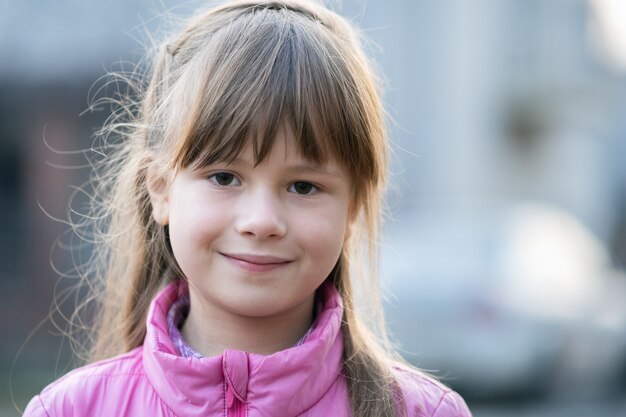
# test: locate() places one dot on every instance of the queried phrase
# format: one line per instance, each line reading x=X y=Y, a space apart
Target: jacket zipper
x=235 y=407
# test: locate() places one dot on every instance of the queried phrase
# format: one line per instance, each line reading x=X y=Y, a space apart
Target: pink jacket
x=152 y=380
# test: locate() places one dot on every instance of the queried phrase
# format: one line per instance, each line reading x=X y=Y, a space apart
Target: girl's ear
x=158 y=189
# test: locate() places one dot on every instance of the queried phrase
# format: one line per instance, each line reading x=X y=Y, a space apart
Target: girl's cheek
x=328 y=224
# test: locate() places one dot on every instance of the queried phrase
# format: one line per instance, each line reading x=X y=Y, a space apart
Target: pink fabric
x=175 y=318
x=153 y=380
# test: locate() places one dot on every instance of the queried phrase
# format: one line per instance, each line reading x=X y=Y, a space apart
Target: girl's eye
x=224 y=179
x=303 y=188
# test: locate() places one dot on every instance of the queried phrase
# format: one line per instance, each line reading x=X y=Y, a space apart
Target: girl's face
x=256 y=241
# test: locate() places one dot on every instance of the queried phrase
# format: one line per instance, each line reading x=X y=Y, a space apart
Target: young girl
x=243 y=187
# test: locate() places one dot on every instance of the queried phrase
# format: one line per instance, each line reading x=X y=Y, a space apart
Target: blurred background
x=505 y=244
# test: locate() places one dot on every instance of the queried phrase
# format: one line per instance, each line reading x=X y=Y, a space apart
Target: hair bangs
x=283 y=75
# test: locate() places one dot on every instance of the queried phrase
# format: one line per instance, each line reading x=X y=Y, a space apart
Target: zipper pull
x=230 y=396
x=235 y=368
x=234 y=405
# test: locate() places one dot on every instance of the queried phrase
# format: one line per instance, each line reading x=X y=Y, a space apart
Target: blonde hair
x=236 y=74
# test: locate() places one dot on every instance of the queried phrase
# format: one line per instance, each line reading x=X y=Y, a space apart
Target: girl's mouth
x=256 y=263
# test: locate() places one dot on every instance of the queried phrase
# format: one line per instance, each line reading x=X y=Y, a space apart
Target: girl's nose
x=261 y=217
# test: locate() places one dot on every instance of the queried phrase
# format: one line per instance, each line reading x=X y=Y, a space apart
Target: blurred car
x=519 y=302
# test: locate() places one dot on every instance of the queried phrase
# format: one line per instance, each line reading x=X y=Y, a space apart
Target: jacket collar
x=284 y=383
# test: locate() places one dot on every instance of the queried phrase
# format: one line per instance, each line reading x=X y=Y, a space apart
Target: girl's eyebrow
x=314 y=169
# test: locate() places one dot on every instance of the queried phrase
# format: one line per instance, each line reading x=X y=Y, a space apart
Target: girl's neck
x=210 y=331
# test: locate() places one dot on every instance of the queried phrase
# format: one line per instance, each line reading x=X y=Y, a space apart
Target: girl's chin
x=256 y=302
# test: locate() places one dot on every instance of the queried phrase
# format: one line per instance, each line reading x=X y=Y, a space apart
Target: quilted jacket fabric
x=152 y=380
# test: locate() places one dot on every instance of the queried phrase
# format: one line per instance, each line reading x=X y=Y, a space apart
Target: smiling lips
x=256 y=263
